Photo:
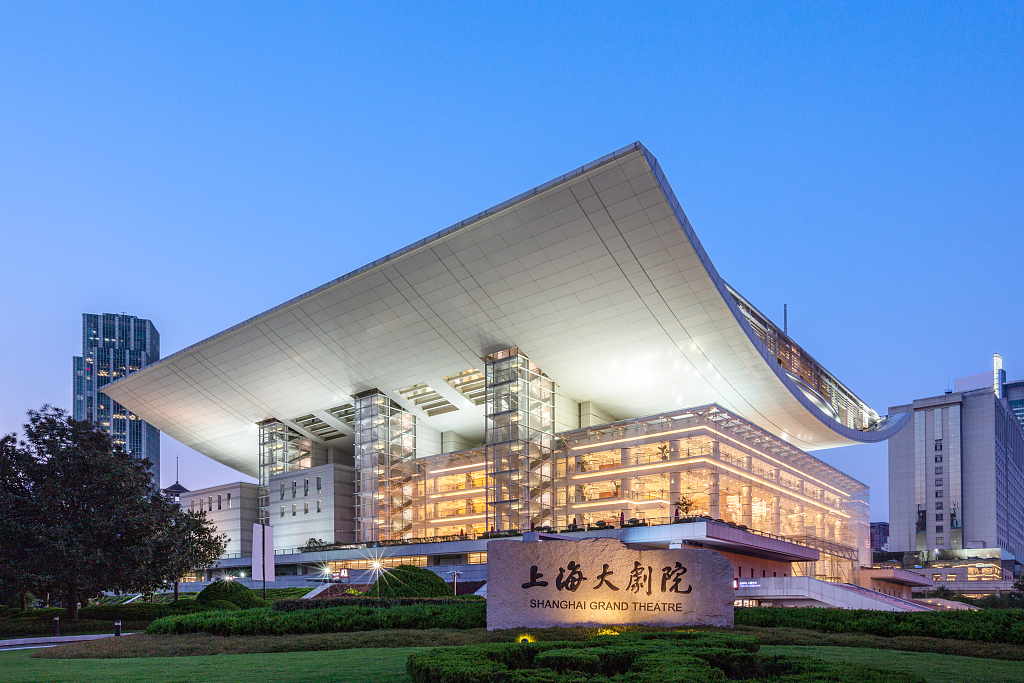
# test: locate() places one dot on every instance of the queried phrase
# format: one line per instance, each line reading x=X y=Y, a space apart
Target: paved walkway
x=49 y=641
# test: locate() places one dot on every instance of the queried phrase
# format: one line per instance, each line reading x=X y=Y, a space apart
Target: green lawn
x=387 y=665
x=936 y=668
x=338 y=666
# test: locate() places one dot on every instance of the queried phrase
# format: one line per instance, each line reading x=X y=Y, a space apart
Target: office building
x=879 y=536
x=113 y=346
x=569 y=359
x=956 y=481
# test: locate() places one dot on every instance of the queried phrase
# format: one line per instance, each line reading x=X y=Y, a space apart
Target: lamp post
x=455 y=574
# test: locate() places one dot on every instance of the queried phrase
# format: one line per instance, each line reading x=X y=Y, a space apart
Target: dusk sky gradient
x=197 y=164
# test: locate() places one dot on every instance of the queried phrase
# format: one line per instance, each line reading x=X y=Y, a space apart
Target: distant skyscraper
x=113 y=346
x=880 y=536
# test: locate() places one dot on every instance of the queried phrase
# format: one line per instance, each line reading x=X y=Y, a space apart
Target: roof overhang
x=597 y=276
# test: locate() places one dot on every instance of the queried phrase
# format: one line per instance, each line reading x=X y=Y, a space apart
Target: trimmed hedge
x=254 y=622
x=688 y=657
x=368 y=601
x=232 y=591
x=991 y=626
x=407 y=581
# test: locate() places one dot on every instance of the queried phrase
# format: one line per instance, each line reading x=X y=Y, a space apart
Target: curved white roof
x=597 y=276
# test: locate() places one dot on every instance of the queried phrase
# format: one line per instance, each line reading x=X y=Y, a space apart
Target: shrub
x=461 y=615
x=633 y=657
x=232 y=591
x=993 y=626
x=222 y=606
x=407 y=581
x=368 y=601
x=139 y=611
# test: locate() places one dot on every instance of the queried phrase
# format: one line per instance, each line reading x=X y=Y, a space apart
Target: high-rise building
x=114 y=346
x=956 y=479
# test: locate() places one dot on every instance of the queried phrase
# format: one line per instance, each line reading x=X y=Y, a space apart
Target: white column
x=746 y=505
x=674 y=447
x=713 y=508
x=776 y=527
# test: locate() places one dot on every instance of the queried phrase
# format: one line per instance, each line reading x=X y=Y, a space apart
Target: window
x=194 y=505
x=209 y=504
x=282 y=490
x=938 y=482
x=282 y=510
x=293 y=509
x=936 y=577
x=938 y=470
x=938 y=506
x=305 y=488
x=938 y=517
x=938 y=458
x=319 y=485
x=305 y=510
x=939 y=540
x=229 y=501
x=295 y=488
x=939 y=529
x=218 y=501
x=318 y=508
x=938 y=446
x=938 y=494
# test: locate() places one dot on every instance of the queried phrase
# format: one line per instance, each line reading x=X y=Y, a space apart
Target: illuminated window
x=218 y=501
x=950 y=577
x=282 y=510
x=193 y=505
x=319 y=485
x=294 y=509
x=229 y=501
x=939 y=540
x=209 y=504
x=936 y=577
x=318 y=508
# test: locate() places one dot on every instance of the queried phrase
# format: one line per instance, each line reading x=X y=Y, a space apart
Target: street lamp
x=455 y=574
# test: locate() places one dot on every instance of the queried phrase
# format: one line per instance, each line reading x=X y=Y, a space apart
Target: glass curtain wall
x=282 y=449
x=519 y=444
x=388 y=478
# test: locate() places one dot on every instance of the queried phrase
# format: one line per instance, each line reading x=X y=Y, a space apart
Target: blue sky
x=197 y=164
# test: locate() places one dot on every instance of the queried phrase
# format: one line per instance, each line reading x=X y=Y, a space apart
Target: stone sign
x=599 y=582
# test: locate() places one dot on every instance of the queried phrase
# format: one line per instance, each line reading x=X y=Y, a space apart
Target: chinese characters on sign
x=600 y=581
x=639 y=578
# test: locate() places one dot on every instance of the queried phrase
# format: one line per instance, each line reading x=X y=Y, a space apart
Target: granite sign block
x=601 y=582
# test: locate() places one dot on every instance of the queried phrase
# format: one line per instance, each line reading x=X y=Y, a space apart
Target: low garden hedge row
x=264 y=621
x=992 y=626
x=369 y=601
x=633 y=658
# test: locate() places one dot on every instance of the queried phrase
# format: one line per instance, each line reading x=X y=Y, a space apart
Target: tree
x=314 y=545
x=188 y=543
x=684 y=505
x=18 y=514
x=95 y=516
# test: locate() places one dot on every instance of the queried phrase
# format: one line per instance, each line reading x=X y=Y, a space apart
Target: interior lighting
x=526 y=638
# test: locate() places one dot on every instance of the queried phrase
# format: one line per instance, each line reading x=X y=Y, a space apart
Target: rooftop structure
x=598 y=276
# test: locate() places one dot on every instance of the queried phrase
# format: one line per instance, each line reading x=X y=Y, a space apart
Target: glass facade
x=112 y=347
x=386 y=469
x=710 y=462
x=282 y=449
x=520 y=443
